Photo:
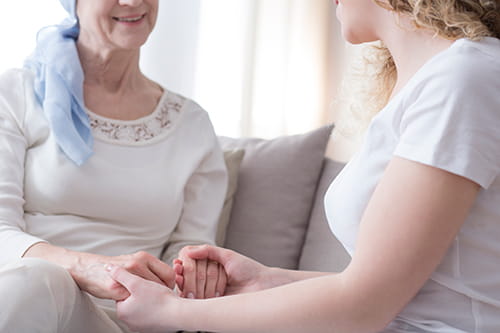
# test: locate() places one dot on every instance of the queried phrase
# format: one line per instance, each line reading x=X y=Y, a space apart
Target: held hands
x=152 y=307
x=91 y=275
x=199 y=278
x=200 y=268
x=148 y=304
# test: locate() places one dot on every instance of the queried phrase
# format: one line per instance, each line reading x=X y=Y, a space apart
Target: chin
x=350 y=38
x=356 y=39
x=131 y=43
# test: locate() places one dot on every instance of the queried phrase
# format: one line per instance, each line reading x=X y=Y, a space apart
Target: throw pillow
x=233 y=159
x=276 y=186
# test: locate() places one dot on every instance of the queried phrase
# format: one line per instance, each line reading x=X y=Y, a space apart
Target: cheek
x=152 y=20
x=153 y=13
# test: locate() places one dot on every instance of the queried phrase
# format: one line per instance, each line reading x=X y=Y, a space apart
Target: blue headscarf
x=59 y=85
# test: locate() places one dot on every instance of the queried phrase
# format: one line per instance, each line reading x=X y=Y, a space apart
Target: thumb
x=125 y=278
x=219 y=254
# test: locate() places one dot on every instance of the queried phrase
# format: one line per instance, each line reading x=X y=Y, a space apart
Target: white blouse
x=151 y=181
x=447 y=116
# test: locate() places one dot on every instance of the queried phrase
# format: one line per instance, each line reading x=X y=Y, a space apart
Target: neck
x=411 y=48
x=114 y=71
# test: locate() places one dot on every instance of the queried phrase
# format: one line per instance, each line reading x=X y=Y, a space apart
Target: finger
x=143 y=265
x=212 y=277
x=220 y=288
x=201 y=278
x=119 y=292
x=163 y=271
x=125 y=278
x=178 y=268
x=210 y=252
x=189 y=274
x=147 y=273
x=179 y=280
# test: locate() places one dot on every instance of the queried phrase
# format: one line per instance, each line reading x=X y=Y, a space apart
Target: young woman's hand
x=91 y=276
x=149 y=305
x=243 y=274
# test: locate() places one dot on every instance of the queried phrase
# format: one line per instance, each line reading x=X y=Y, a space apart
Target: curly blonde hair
x=450 y=19
x=369 y=83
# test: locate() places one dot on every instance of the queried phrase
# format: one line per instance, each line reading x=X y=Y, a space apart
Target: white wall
x=169 y=56
x=21 y=20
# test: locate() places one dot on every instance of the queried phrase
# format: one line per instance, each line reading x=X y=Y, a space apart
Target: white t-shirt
x=157 y=179
x=447 y=116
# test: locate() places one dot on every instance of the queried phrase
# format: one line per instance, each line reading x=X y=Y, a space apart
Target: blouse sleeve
x=14 y=241
x=452 y=120
x=203 y=200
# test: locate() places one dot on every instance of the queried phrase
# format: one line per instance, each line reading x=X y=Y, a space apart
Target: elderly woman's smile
x=129 y=19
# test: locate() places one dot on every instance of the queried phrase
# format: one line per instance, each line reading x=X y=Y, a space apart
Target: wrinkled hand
x=243 y=274
x=199 y=279
x=91 y=276
x=149 y=307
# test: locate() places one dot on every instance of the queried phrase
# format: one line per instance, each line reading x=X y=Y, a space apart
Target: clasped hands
x=200 y=272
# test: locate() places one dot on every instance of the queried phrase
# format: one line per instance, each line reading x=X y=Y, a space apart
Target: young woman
x=98 y=164
x=417 y=207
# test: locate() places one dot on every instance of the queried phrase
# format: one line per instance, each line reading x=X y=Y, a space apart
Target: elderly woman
x=98 y=165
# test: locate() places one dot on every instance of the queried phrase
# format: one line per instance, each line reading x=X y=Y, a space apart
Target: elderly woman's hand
x=199 y=278
x=90 y=273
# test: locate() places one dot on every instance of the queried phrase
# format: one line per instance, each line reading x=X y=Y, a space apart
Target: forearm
x=313 y=305
x=276 y=277
x=57 y=255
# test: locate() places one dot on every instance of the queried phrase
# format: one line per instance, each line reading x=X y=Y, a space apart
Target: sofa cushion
x=276 y=186
x=232 y=158
x=321 y=250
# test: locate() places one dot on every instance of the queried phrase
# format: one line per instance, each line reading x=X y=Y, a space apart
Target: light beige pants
x=39 y=297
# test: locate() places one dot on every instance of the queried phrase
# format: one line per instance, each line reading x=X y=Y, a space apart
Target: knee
x=30 y=276
x=37 y=289
x=39 y=269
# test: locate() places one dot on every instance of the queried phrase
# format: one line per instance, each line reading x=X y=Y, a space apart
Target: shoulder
x=462 y=79
x=189 y=110
x=16 y=93
x=188 y=118
x=467 y=67
x=15 y=78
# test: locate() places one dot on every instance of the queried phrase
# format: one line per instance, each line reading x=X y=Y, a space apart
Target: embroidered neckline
x=141 y=130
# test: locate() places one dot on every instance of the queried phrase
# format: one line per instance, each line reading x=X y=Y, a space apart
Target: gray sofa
x=274 y=209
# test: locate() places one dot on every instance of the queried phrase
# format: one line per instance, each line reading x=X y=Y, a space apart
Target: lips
x=129 y=19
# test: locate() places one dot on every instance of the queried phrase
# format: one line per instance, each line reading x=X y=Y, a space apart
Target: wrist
x=275 y=277
x=54 y=254
x=75 y=263
x=187 y=314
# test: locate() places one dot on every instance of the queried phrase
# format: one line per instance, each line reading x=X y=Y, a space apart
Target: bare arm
x=414 y=214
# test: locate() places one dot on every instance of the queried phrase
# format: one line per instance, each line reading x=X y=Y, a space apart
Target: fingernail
x=191 y=295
